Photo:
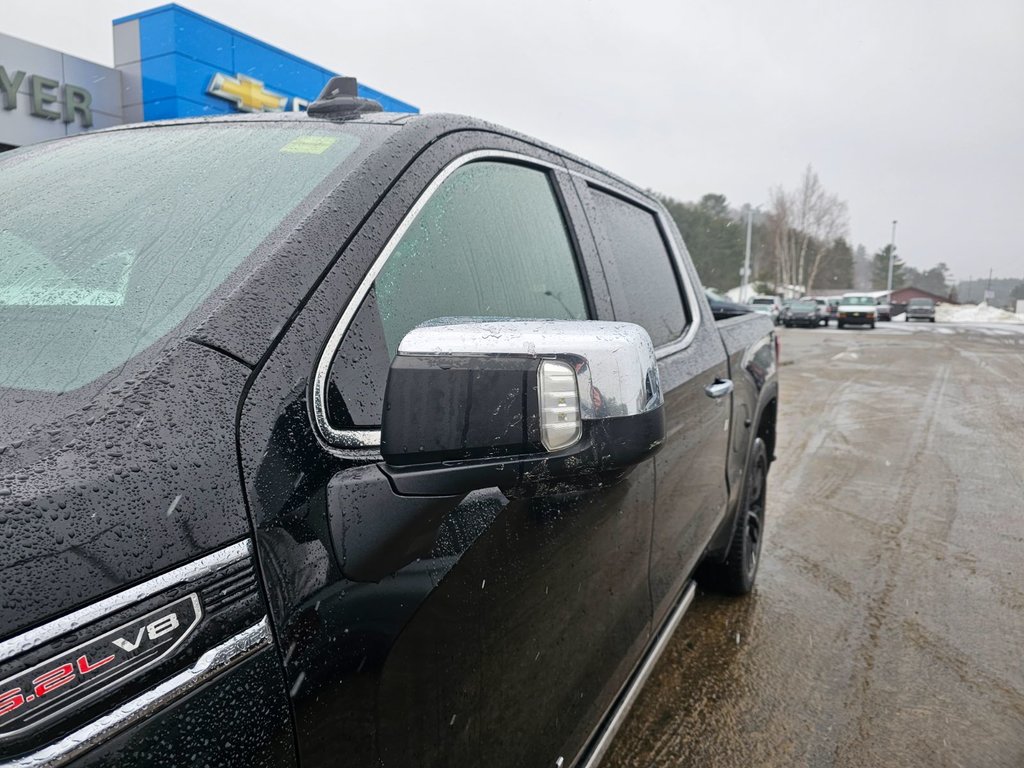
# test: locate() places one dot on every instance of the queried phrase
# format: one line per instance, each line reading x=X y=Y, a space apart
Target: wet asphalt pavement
x=887 y=624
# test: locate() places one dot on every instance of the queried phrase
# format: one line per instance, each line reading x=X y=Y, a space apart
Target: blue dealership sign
x=177 y=63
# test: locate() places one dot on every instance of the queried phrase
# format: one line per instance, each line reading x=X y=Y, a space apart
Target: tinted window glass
x=491 y=242
x=643 y=280
x=107 y=242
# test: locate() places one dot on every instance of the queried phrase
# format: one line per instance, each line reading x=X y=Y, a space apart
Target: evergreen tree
x=715 y=237
x=836 y=269
x=880 y=270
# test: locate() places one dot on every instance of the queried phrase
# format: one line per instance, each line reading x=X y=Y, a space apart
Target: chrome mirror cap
x=615 y=364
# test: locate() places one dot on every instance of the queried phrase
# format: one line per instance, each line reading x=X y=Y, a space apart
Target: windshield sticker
x=309 y=145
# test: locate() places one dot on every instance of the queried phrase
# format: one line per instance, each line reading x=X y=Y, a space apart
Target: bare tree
x=805 y=222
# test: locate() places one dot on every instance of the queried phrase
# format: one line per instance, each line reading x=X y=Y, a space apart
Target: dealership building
x=169 y=62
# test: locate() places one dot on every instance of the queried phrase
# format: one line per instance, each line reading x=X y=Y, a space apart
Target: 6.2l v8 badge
x=70 y=677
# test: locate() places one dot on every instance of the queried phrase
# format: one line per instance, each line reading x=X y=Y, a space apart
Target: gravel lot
x=887 y=627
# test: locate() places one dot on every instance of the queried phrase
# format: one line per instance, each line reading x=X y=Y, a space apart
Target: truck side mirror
x=528 y=406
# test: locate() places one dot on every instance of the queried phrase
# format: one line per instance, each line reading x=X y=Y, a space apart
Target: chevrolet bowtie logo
x=247 y=93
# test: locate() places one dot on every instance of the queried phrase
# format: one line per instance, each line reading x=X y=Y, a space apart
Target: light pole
x=892 y=256
x=744 y=284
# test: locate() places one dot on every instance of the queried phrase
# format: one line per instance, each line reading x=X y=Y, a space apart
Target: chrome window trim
x=26 y=641
x=207 y=666
x=359 y=440
x=363 y=443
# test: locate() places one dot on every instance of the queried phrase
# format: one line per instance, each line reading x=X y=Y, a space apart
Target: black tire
x=735 y=575
x=839 y=324
x=906 y=319
x=931 y=319
x=872 y=326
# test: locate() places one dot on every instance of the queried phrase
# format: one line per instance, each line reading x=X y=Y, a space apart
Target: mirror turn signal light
x=561 y=423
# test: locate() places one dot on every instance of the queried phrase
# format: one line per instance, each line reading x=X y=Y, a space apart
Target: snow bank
x=975 y=313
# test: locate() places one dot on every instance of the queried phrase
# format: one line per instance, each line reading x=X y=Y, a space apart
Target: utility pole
x=892 y=255
x=746 y=258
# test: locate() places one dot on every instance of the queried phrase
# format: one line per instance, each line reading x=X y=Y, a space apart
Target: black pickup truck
x=354 y=439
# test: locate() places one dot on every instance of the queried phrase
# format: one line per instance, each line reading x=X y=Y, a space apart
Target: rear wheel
x=872 y=325
x=931 y=319
x=735 y=576
x=839 y=323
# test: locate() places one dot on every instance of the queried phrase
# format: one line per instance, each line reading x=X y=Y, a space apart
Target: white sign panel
x=45 y=94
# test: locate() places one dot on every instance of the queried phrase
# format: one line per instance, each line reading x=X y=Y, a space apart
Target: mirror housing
x=528 y=406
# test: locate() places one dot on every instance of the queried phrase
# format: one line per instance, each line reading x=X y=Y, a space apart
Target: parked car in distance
x=366 y=439
x=768 y=305
x=802 y=312
x=833 y=307
x=856 y=310
x=823 y=310
x=883 y=309
x=920 y=309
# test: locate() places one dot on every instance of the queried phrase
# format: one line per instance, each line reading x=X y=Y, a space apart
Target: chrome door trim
x=362 y=439
x=207 y=666
x=627 y=698
x=26 y=641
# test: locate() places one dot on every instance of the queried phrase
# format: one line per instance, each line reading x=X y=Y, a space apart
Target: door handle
x=719 y=388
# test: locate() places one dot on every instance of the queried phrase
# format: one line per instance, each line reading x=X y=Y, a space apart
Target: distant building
x=903 y=295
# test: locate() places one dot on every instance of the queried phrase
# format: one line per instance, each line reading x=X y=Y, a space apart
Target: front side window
x=645 y=288
x=490 y=242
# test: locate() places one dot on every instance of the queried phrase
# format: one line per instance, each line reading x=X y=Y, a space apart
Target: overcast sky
x=908 y=110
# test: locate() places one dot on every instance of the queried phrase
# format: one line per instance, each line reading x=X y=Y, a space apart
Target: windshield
x=920 y=303
x=859 y=300
x=804 y=306
x=108 y=242
x=755 y=302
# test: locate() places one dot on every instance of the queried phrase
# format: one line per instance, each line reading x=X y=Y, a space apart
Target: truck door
x=509 y=640
x=651 y=282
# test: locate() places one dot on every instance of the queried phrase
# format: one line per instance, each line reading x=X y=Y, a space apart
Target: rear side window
x=491 y=242
x=643 y=281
